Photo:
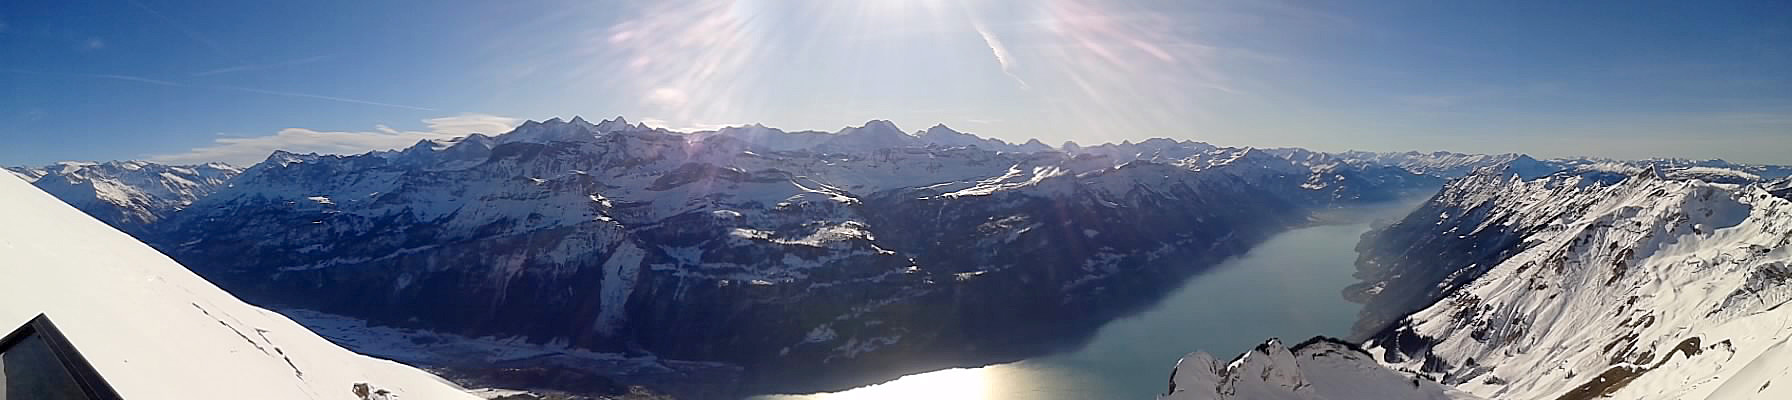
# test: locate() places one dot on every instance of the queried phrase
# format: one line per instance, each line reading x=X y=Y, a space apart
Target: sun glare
x=956 y=383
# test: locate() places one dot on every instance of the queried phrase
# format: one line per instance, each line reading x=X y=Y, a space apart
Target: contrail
x=1001 y=53
x=133 y=79
x=252 y=67
x=184 y=30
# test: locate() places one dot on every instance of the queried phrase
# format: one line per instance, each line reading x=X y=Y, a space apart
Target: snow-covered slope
x=154 y=330
x=1642 y=288
x=1608 y=279
x=1318 y=369
x=128 y=194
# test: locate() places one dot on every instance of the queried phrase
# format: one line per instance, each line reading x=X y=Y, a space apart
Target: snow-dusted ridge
x=1609 y=279
x=128 y=194
x=1647 y=287
x=1642 y=280
x=154 y=330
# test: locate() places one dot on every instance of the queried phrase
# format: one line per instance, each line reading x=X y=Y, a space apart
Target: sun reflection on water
x=955 y=383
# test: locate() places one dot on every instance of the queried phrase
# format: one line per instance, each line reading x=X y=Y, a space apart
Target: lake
x=1287 y=287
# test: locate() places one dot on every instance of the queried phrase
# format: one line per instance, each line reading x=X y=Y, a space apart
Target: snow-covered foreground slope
x=154 y=330
x=1645 y=288
x=1642 y=286
x=1320 y=368
x=1607 y=280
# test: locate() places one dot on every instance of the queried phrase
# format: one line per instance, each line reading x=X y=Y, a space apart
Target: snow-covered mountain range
x=128 y=194
x=860 y=249
x=613 y=247
x=867 y=249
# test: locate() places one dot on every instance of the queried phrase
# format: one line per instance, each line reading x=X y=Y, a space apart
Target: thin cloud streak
x=129 y=78
x=321 y=97
x=184 y=29
x=250 y=150
x=256 y=67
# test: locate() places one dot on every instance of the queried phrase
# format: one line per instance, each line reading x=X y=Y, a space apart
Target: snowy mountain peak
x=1529 y=168
x=474 y=138
x=874 y=135
x=555 y=130
x=940 y=135
x=1035 y=146
x=613 y=125
x=876 y=128
x=424 y=145
x=283 y=158
x=881 y=125
x=940 y=129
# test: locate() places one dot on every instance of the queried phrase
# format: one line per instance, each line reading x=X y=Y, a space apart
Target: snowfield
x=154 y=330
x=1625 y=282
x=1646 y=287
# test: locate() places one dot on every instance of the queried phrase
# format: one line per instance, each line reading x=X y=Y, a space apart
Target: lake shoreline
x=1110 y=348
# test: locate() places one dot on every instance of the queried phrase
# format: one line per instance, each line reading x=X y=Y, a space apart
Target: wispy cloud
x=93 y=44
x=466 y=124
x=129 y=78
x=1000 y=52
x=254 y=149
x=321 y=97
x=256 y=67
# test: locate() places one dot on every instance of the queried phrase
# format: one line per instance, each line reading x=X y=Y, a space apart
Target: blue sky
x=200 y=81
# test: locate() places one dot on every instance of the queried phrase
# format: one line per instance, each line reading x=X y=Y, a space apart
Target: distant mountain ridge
x=128 y=194
x=748 y=245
